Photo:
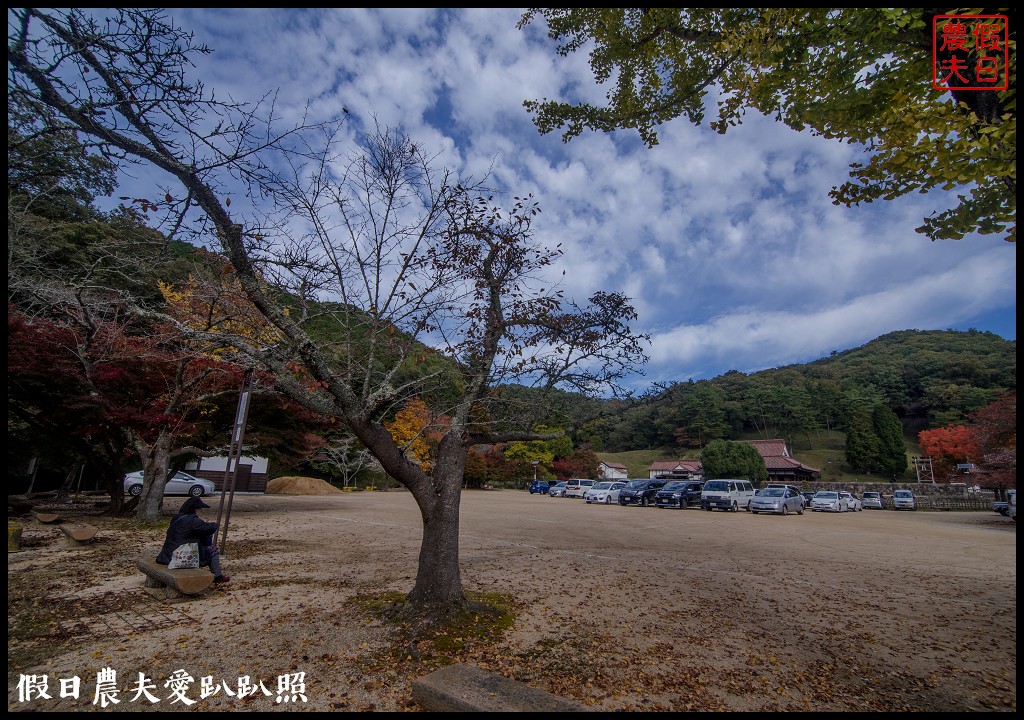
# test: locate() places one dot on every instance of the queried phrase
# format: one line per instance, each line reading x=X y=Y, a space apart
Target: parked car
x=794 y=488
x=576 y=488
x=539 y=486
x=181 y=484
x=640 y=492
x=904 y=500
x=679 y=494
x=779 y=500
x=829 y=501
x=873 y=501
x=726 y=495
x=558 y=489
x=782 y=485
x=1002 y=507
x=606 y=492
x=852 y=501
x=807 y=495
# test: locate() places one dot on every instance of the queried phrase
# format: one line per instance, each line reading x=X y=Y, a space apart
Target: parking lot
x=622 y=608
x=869 y=610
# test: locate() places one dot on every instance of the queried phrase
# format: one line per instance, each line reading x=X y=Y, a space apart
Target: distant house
x=251 y=475
x=612 y=471
x=681 y=469
x=782 y=468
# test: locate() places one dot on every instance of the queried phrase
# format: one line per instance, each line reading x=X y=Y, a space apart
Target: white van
x=727 y=494
x=576 y=487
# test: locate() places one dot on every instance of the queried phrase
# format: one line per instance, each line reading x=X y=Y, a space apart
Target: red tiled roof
x=776 y=456
x=781 y=463
x=670 y=465
x=771 y=448
x=620 y=466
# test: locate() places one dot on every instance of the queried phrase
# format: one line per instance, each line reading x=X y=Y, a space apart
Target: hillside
x=927 y=378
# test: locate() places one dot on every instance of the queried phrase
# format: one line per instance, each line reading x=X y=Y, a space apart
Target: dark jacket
x=186 y=528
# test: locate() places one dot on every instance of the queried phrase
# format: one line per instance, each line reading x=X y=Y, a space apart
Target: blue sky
x=729 y=246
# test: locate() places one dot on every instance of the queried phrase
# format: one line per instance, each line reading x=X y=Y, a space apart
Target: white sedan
x=852 y=501
x=829 y=501
x=181 y=484
x=605 y=492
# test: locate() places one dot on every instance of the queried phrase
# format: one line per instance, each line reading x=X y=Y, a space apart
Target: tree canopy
x=862 y=75
x=408 y=254
x=988 y=441
x=729 y=459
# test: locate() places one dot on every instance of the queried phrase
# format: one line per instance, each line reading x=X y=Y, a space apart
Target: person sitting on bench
x=188 y=527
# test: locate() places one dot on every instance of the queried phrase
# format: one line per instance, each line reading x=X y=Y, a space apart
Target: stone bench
x=175 y=583
x=467 y=688
x=79 y=534
x=47 y=517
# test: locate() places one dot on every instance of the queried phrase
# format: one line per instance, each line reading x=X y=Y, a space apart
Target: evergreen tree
x=862 y=448
x=729 y=459
x=704 y=412
x=892 y=451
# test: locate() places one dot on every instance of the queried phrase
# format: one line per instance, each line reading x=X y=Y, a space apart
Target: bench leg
x=153 y=583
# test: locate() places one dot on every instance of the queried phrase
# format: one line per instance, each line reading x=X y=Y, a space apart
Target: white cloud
x=733 y=251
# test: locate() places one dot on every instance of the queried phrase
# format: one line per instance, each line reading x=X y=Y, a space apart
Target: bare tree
x=346 y=457
x=383 y=276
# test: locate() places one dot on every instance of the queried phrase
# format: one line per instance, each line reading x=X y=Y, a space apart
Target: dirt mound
x=301 y=486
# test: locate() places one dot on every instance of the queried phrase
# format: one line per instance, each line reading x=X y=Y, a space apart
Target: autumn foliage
x=415 y=430
x=216 y=303
x=948 y=446
x=989 y=442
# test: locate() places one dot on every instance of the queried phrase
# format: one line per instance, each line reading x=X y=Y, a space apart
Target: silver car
x=778 y=500
x=181 y=484
x=903 y=500
x=605 y=492
x=558 y=489
x=873 y=501
x=829 y=501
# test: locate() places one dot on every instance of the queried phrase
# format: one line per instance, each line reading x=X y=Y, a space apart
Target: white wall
x=220 y=464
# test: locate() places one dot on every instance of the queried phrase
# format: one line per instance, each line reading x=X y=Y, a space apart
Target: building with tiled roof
x=683 y=469
x=782 y=468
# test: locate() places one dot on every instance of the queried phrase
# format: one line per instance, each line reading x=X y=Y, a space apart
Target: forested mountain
x=927 y=378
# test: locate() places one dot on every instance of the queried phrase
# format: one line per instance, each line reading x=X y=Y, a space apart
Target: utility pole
x=234 y=455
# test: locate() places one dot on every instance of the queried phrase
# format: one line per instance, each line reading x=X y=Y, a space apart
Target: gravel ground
x=621 y=608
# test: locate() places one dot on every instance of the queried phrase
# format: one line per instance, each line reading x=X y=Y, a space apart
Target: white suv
x=727 y=495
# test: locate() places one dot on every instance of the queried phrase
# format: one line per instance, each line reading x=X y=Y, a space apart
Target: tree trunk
x=155 y=461
x=439 y=580
x=438 y=589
